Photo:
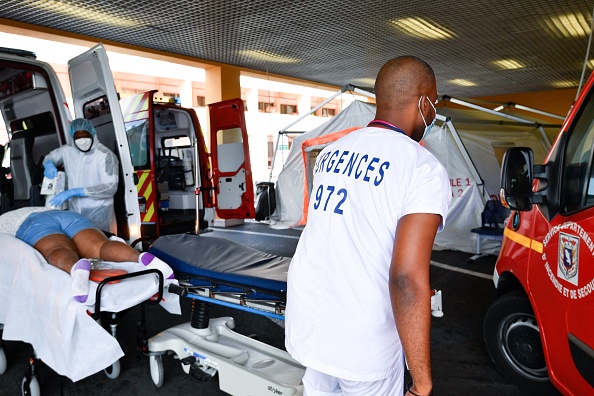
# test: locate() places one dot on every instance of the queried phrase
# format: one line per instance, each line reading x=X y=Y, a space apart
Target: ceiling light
x=81 y=13
x=508 y=64
x=569 y=25
x=267 y=56
x=590 y=64
x=423 y=28
x=367 y=82
x=564 y=84
x=462 y=82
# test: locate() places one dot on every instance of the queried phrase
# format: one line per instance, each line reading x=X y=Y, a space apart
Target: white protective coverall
x=96 y=171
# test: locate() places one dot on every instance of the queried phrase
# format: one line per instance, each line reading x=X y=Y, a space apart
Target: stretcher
x=37 y=308
x=219 y=271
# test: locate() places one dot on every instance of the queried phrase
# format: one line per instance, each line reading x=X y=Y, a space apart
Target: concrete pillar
x=304 y=104
x=251 y=99
x=222 y=83
x=185 y=94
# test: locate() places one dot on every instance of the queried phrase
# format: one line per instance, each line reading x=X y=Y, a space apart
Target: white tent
x=294 y=182
x=469 y=143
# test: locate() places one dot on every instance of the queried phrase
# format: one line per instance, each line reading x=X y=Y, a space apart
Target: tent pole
x=545 y=137
x=486 y=110
x=278 y=136
x=469 y=163
x=363 y=92
x=525 y=108
x=343 y=89
x=282 y=131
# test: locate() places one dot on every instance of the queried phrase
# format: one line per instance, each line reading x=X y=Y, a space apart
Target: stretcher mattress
x=224 y=260
x=36 y=307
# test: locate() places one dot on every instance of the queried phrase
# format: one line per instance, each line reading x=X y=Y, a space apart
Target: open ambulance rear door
x=172 y=165
x=95 y=98
x=231 y=160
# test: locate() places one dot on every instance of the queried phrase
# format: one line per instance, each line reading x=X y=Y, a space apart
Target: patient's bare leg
x=92 y=243
x=58 y=250
x=62 y=253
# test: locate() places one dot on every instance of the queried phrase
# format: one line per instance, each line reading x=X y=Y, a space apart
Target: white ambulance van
x=154 y=139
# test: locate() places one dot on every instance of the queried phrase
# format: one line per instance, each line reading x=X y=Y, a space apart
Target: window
x=328 y=112
x=577 y=170
x=265 y=107
x=288 y=109
x=96 y=108
x=137 y=132
x=200 y=101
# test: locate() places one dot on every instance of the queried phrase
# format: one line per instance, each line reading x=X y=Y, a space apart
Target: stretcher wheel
x=113 y=371
x=33 y=387
x=157 y=372
x=2 y=361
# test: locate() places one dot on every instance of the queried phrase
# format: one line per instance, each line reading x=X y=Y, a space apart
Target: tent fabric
x=293 y=183
x=473 y=168
x=482 y=133
x=467 y=193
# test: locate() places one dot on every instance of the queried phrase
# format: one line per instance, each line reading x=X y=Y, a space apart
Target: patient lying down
x=67 y=240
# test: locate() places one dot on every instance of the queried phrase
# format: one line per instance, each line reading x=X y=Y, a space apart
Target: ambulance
x=168 y=182
x=539 y=330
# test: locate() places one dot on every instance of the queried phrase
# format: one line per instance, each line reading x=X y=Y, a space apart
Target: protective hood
x=82 y=124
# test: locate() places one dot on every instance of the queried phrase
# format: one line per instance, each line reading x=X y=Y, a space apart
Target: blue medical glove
x=64 y=196
x=50 y=171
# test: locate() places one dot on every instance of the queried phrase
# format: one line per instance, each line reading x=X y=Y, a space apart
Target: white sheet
x=36 y=306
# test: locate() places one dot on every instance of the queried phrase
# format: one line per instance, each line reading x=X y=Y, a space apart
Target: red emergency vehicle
x=539 y=329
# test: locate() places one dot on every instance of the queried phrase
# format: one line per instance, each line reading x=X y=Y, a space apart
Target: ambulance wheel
x=31 y=387
x=157 y=371
x=512 y=338
x=113 y=371
x=2 y=361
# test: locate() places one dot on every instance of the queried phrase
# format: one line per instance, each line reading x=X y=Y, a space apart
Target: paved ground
x=460 y=362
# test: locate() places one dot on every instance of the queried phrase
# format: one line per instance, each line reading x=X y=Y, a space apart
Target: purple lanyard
x=387 y=125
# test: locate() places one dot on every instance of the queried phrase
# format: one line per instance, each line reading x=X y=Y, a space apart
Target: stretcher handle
x=177 y=289
x=105 y=281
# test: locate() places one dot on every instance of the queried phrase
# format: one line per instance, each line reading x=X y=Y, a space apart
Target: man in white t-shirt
x=359 y=298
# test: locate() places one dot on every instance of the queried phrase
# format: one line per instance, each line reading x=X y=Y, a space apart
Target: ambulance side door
x=561 y=279
x=230 y=160
x=95 y=98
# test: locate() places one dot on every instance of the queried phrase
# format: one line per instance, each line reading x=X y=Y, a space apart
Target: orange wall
x=556 y=102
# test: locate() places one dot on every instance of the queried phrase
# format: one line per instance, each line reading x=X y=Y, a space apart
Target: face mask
x=429 y=126
x=84 y=144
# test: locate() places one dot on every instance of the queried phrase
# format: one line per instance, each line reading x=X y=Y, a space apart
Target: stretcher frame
x=208 y=346
x=30 y=384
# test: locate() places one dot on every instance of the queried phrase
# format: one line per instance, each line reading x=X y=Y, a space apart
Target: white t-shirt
x=11 y=221
x=339 y=317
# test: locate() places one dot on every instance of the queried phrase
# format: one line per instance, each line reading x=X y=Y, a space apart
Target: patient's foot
x=150 y=261
x=80 y=280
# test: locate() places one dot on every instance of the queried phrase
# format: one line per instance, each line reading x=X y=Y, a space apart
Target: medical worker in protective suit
x=91 y=174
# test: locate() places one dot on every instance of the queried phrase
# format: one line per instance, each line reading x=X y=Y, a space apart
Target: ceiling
x=347 y=41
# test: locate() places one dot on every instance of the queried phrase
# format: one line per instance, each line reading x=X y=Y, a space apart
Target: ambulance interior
x=30 y=111
x=174 y=165
x=29 y=115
